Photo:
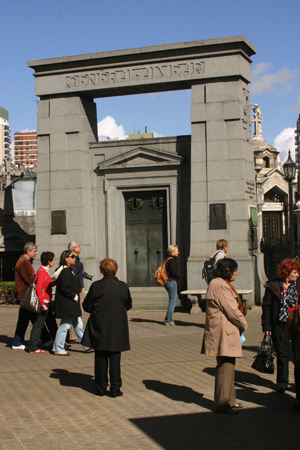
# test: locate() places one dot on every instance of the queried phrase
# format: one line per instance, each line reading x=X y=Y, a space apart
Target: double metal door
x=146 y=235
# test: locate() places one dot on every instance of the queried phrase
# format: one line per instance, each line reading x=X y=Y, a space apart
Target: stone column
x=65 y=127
x=222 y=170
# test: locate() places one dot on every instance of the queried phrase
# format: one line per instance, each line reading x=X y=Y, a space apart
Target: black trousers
x=282 y=346
x=105 y=361
x=23 y=320
x=44 y=317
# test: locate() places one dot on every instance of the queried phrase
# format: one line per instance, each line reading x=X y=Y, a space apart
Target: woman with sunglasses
x=67 y=307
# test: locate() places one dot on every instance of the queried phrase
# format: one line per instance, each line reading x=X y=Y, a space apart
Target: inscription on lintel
x=155 y=72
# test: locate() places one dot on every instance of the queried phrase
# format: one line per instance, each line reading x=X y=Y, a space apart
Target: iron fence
x=274 y=253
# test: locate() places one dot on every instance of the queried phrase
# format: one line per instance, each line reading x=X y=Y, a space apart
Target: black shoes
x=116 y=394
x=110 y=394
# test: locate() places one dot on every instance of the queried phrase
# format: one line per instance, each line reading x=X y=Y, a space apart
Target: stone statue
x=257 y=119
x=9 y=172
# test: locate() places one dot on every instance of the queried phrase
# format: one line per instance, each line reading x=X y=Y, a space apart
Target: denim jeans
x=65 y=324
x=171 y=287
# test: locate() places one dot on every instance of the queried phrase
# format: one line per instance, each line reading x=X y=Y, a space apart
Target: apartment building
x=25 y=148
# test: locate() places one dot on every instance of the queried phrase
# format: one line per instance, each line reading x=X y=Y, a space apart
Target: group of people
x=225 y=324
x=107 y=301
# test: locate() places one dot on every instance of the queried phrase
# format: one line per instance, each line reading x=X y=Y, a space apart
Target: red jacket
x=43 y=285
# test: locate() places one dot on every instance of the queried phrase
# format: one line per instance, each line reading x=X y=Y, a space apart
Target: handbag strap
x=267 y=343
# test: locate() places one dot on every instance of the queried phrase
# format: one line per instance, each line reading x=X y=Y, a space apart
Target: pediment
x=141 y=157
x=275 y=179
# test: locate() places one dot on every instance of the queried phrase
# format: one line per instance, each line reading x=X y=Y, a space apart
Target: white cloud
x=107 y=128
x=263 y=80
x=157 y=135
x=284 y=142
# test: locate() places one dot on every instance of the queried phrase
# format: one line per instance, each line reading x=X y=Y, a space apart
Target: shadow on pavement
x=256 y=428
x=74 y=379
x=179 y=323
x=178 y=393
x=6 y=340
x=249 y=384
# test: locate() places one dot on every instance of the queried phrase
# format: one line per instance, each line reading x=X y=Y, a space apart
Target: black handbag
x=30 y=300
x=264 y=360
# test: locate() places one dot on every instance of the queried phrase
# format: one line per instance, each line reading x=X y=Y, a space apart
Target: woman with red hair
x=280 y=299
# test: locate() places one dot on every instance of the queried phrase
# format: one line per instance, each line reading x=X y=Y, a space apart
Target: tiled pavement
x=48 y=402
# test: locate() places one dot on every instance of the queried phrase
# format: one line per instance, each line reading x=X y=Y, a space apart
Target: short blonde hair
x=221 y=244
x=171 y=249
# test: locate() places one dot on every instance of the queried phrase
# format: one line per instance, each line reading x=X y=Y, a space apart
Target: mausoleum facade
x=130 y=199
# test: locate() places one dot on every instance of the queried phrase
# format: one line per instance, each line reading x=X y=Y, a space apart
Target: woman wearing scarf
x=222 y=335
x=280 y=299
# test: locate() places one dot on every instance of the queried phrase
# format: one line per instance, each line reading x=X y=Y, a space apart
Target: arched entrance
x=87 y=181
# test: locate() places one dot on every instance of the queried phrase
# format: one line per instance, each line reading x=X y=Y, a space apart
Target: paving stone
x=49 y=403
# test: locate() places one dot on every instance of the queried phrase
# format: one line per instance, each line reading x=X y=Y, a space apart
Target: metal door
x=146 y=231
x=272 y=226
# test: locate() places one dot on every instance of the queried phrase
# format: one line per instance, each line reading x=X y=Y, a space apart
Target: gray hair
x=29 y=246
x=72 y=245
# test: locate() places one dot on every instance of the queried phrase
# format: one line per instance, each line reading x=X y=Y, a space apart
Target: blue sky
x=39 y=29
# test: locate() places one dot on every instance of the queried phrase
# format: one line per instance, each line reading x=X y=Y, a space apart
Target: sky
x=40 y=29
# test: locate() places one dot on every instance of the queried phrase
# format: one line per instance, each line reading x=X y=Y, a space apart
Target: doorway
x=146 y=235
x=272 y=226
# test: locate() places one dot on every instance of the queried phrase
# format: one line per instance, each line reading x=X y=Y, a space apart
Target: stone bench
x=195 y=297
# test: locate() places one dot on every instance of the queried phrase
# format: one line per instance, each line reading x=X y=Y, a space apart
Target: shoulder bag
x=30 y=300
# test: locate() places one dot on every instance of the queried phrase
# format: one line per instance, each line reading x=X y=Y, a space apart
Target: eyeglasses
x=72 y=257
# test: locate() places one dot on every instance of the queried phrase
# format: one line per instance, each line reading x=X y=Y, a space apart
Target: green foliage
x=8 y=293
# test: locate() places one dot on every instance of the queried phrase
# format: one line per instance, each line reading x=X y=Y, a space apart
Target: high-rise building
x=4 y=134
x=25 y=148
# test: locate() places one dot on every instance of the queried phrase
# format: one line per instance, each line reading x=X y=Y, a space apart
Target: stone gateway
x=130 y=199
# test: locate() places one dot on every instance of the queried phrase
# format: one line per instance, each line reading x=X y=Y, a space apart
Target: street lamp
x=289 y=168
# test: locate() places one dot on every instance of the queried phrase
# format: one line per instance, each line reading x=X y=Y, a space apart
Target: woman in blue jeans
x=67 y=307
x=171 y=284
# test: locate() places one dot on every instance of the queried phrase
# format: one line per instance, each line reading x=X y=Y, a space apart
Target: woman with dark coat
x=108 y=301
x=280 y=299
x=67 y=307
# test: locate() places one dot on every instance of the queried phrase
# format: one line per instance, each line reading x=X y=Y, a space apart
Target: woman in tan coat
x=223 y=327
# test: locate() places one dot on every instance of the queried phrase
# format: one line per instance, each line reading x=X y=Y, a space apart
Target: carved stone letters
x=118 y=77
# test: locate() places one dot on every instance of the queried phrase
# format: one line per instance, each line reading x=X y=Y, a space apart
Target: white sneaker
x=18 y=347
x=169 y=323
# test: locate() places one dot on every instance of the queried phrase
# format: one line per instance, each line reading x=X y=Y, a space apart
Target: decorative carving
x=134 y=204
x=9 y=172
x=156 y=72
x=157 y=203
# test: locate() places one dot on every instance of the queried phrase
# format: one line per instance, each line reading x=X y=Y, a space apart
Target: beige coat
x=224 y=321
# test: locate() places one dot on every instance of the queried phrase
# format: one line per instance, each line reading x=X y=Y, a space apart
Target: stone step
x=149 y=298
